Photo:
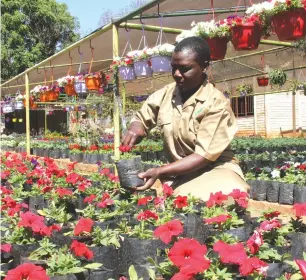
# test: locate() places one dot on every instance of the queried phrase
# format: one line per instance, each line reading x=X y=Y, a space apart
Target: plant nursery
x=69 y=209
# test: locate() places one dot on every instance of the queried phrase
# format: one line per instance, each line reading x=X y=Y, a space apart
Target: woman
x=198 y=125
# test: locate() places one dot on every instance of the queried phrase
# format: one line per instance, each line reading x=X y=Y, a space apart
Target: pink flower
x=269 y=225
x=302 y=266
x=254 y=242
x=6 y=248
x=251 y=265
x=300 y=209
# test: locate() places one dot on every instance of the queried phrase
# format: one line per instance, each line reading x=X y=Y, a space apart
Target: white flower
x=19 y=97
x=65 y=80
x=36 y=89
x=275 y=173
x=266 y=6
x=185 y=34
x=164 y=49
x=297 y=164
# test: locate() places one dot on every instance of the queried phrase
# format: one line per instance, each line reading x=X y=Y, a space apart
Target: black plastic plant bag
x=273 y=191
x=299 y=194
x=298 y=244
x=260 y=193
x=253 y=185
x=76 y=276
x=107 y=255
x=286 y=194
x=37 y=203
x=128 y=171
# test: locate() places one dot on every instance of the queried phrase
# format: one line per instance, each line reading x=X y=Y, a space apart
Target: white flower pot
x=19 y=105
x=8 y=108
x=80 y=87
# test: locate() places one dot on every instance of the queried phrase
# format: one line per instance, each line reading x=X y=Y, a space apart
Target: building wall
x=273 y=116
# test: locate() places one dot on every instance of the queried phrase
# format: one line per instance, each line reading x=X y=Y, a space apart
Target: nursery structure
x=258 y=112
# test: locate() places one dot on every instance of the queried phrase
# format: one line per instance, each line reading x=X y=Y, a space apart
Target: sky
x=89 y=12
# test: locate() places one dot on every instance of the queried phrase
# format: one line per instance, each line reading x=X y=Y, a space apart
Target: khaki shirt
x=205 y=124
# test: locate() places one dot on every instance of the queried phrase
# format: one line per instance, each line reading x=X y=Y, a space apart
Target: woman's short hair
x=199 y=46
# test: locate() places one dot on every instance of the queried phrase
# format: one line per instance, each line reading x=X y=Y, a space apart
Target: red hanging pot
x=246 y=36
x=93 y=83
x=218 y=47
x=262 y=81
x=290 y=25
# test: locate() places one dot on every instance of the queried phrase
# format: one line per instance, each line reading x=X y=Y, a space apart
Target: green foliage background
x=31 y=31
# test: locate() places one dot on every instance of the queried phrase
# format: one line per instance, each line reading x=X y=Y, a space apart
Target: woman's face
x=186 y=71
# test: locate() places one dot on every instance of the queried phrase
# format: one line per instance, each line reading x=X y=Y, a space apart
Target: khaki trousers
x=201 y=183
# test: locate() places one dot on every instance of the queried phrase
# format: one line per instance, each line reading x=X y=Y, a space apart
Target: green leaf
x=93 y=265
x=151 y=273
x=41 y=212
x=152 y=261
x=296 y=276
x=76 y=270
x=132 y=273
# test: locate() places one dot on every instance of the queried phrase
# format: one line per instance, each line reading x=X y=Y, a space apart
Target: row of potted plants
x=245 y=32
x=285 y=184
x=154 y=236
x=143 y=63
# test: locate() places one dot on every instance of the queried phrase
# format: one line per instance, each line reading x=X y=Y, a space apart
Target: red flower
x=27 y=271
x=254 y=242
x=31 y=220
x=272 y=215
x=240 y=197
x=63 y=192
x=230 y=253
x=302 y=266
x=81 y=250
x=189 y=255
x=218 y=220
x=288 y=2
x=90 y=199
x=4 y=190
x=73 y=178
x=182 y=276
x=216 y=199
x=167 y=190
x=251 y=265
x=83 y=225
x=180 y=202
x=144 y=200
x=106 y=202
x=105 y=171
x=125 y=148
x=147 y=214
x=269 y=224
x=300 y=209
x=6 y=248
x=166 y=231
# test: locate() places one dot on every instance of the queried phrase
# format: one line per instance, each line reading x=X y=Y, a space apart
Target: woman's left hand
x=150 y=177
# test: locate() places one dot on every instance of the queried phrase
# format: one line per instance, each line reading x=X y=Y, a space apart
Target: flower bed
x=86 y=221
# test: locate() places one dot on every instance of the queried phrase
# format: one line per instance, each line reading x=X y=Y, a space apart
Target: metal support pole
x=193 y=12
x=72 y=64
x=116 y=93
x=45 y=120
x=27 y=111
x=123 y=91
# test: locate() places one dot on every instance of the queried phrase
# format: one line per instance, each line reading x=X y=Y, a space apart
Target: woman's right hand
x=134 y=134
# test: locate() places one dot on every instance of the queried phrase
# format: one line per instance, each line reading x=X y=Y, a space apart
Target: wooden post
x=293 y=101
x=45 y=120
x=27 y=111
x=116 y=93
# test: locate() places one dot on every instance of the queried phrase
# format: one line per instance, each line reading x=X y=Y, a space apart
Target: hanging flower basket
x=262 y=81
x=161 y=63
x=53 y=95
x=19 y=105
x=290 y=25
x=218 y=47
x=8 y=108
x=246 y=36
x=127 y=73
x=69 y=89
x=93 y=83
x=143 y=68
x=44 y=97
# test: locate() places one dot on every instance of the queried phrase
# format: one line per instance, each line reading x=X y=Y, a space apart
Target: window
x=243 y=106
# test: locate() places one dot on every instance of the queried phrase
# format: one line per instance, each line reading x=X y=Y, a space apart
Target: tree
x=108 y=15
x=31 y=31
